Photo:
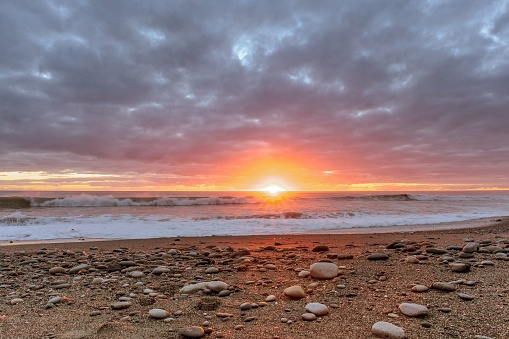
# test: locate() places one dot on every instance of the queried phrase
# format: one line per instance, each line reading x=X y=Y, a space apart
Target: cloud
x=370 y=91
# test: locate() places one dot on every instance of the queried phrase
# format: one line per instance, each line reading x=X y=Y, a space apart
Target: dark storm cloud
x=394 y=91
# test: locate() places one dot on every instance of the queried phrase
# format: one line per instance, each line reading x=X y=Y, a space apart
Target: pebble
x=324 y=270
x=466 y=296
x=384 y=329
x=192 y=332
x=246 y=306
x=321 y=248
x=378 y=256
x=308 y=317
x=136 y=274
x=412 y=260
x=158 y=313
x=459 y=267
x=120 y=305
x=471 y=247
x=419 y=288
x=295 y=292
x=16 y=301
x=270 y=298
x=78 y=268
x=317 y=309
x=211 y=270
x=443 y=286
x=413 y=310
x=303 y=274
x=57 y=270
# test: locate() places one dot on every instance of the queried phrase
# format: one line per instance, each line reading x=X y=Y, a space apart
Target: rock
x=16 y=301
x=78 y=268
x=136 y=274
x=465 y=296
x=55 y=300
x=120 y=305
x=211 y=270
x=321 y=248
x=270 y=298
x=324 y=270
x=412 y=260
x=345 y=256
x=459 y=267
x=317 y=309
x=308 y=317
x=57 y=270
x=160 y=270
x=471 y=247
x=378 y=256
x=303 y=274
x=444 y=286
x=436 y=250
x=216 y=286
x=419 y=288
x=192 y=332
x=246 y=306
x=384 y=329
x=295 y=292
x=413 y=310
x=158 y=313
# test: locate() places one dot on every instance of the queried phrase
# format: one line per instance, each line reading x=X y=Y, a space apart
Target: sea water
x=30 y=216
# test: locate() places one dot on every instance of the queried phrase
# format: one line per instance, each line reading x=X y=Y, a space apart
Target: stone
x=308 y=317
x=57 y=270
x=383 y=329
x=158 y=313
x=78 y=268
x=160 y=270
x=465 y=296
x=413 y=310
x=471 y=247
x=246 y=306
x=295 y=292
x=303 y=274
x=419 y=288
x=120 y=305
x=136 y=274
x=324 y=270
x=378 y=256
x=444 y=286
x=459 y=267
x=270 y=298
x=192 y=332
x=436 y=250
x=412 y=260
x=317 y=309
x=211 y=270
x=216 y=286
x=321 y=248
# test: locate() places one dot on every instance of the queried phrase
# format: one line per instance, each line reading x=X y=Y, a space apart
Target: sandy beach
x=237 y=287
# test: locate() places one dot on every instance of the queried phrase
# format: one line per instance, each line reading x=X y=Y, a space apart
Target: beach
x=237 y=286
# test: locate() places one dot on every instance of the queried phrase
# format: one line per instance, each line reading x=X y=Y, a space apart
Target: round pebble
x=158 y=313
x=383 y=329
x=295 y=292
x=317 y=309
x=413 y=310
x=192 y=332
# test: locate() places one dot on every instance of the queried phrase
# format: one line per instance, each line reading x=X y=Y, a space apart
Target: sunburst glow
x=273 y=189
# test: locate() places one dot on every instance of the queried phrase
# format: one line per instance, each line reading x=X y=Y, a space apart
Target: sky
x=236 y=95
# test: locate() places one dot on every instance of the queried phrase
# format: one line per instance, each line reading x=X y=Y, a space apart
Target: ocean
x=33 y=216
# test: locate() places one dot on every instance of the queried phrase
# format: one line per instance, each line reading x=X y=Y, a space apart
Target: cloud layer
x=186 y=92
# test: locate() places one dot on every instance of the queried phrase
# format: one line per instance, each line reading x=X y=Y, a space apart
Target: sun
x=273 y=189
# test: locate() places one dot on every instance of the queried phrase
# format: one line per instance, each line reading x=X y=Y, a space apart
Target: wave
x=109 y=201
x=375 y=197
x=415 y=197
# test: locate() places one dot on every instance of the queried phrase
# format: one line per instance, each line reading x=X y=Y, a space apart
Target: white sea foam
x=134 y=227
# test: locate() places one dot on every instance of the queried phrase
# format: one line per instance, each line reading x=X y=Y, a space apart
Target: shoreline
x=444 y=226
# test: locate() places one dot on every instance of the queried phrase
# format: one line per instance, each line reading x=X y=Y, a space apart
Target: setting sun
x=273 y=189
